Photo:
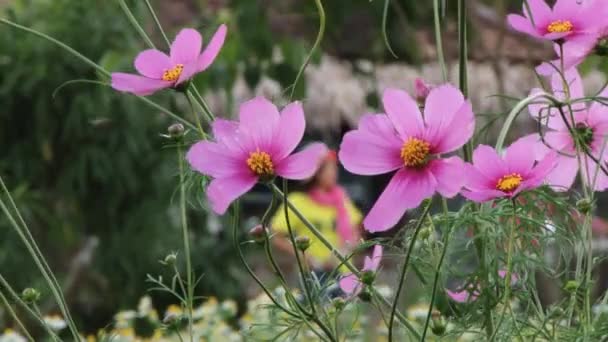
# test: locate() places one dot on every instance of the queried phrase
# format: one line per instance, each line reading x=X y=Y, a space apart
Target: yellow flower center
x=415 y=152
x=509 y=183
x=173 y=74
x=560 y=26
x=260 y=163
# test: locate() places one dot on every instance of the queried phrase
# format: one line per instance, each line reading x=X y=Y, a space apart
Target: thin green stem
x=315 y=46
x=30 y=244
x=387 y=42
x=186 y=237
x=438 y=40
x=462 y=65
x=157 y=22
x=196 y=118
x=436 y=281
x=344 y=260
x=140 y=30
x=404 y=268
x=48 y=329
x=15 y=318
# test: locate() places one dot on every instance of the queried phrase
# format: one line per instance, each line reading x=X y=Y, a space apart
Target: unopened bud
x=170 y=259
x=571 y=286
x=368 y=277
x=30 y=295
x=338 y=303
x=422 y=90
x=365 y=296
x=584 y=206
x=258 y=234
x=439 y=325
x=176 y=130
x=302 y=243
x=556 y=312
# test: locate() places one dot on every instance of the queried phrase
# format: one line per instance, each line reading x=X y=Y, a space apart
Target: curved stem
x=438 y=41
x=15 y=318
x=403 y=274
x=186 y=238
x=387 y=42
x=140 y=30
x=315 y=46
x=157 y=22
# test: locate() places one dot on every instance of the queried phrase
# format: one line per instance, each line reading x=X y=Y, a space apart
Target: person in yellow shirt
x=327 y=206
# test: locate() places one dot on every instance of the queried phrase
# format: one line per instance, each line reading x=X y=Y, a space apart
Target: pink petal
x=539 y=8
x=598 y=112
x=350 y=284
x=477 y=181
x=372 y=149
x=215 y=160
x=223 y=191
x=213 y=48
x=136 y=84
x=373 y=263
x=601 y=182
x=522 y=24
x=487 y=161
x=290 y=130
x=188 y=72
x=403 y=112
x=441 y=106
x=542 y=170
x=259 y=118
x=186 y=47
x=152 y=63
x=482 y=195
x=520 y=156
x=456 y=133
x=406 y=190
x=564 y=174
x=503 y=274
x=303 y=164
x=573 y=80
x=448 y=174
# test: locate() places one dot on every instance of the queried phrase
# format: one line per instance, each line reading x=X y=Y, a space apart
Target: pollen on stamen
x=560 y=26
x=509 y=182
x=260 y=163
x=415 y=152
x=173 y=74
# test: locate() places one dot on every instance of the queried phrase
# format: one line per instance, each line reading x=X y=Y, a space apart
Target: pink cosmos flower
x=575 y=52
x=404 y=140
x=492 y=177
x=591 y=123
x=567 y=19
x=350 y=284
x=257 y=148
x=421 y=90
x=159 y=71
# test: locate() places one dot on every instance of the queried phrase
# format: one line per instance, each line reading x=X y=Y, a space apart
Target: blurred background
x=95 y=180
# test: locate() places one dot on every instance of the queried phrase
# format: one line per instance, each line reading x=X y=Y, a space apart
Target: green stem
x=157 y=22
x=387 y=42
x=315 y=46
x=438 y=40
x=15 y=318
x=30 y=244
x=344 y=261
x=186 y=237
x=436 y=282
x=403 y=274
x=462 y=64
x=135 y=24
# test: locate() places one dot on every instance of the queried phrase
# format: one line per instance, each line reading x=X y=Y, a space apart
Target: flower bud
x=556 y=312
x=258 y=234
x=368 y=277
x=170 y=259
x=338 y=303
x=438 y=326
x=571 y=286
x=176 y=131
x=365 y=296
x=421 y=90
x=302 y=243
x=30 y=295
x=584 y=206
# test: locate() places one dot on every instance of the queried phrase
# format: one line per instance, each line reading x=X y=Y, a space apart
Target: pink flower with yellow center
x=590 y=123
x=257 y=148
x=492 y=176
x=350 y=284
x=567 y=19
x=403 y=140
x=159 y=71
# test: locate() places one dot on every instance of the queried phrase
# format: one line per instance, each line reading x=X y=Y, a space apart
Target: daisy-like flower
x=567 y=20
x=159 y=71
x=257 y=148
x=55 y=322
x=404 y=140
x=350 y=284
x=492 y=176
x=10 y=335
x=591 y=124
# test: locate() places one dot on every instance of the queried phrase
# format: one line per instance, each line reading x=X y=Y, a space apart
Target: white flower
x=55 y=322
x=10 y=335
